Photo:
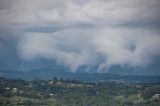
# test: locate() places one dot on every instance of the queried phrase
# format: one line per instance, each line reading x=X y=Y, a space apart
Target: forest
x=65 y=92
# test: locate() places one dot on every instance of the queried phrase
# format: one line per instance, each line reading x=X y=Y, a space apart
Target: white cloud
x=122 y=32
x=75 y=47
x=68 y=12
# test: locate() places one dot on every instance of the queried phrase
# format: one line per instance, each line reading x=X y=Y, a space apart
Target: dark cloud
x=76 y=34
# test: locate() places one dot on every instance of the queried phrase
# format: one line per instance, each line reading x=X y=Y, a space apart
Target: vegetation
x=60 y=92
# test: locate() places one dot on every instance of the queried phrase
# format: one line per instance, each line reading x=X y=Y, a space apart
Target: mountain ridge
x=46 y=74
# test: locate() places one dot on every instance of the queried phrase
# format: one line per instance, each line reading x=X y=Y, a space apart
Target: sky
x=120 y=36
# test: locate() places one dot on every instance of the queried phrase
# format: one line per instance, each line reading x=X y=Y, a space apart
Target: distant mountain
x=60 y=73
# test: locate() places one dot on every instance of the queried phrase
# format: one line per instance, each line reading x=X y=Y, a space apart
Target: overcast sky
x=77 y=33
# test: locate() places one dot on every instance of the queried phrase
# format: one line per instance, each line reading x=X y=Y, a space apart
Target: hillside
x=76 y=93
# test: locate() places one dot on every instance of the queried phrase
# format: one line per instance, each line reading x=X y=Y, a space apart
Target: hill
x=59 y=73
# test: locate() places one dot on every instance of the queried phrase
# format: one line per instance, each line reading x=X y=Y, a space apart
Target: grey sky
x=78 y=33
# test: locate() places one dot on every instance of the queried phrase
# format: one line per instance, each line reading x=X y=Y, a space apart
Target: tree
x=55 y=79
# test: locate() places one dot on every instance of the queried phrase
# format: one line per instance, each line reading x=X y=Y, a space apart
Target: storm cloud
x=75 y=33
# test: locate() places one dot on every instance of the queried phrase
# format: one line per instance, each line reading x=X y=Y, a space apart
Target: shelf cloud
x=76 y=33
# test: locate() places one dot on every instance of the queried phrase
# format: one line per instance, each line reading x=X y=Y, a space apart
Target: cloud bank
x=77 y=33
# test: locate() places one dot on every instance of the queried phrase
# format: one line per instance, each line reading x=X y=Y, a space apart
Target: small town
x=61 y=92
